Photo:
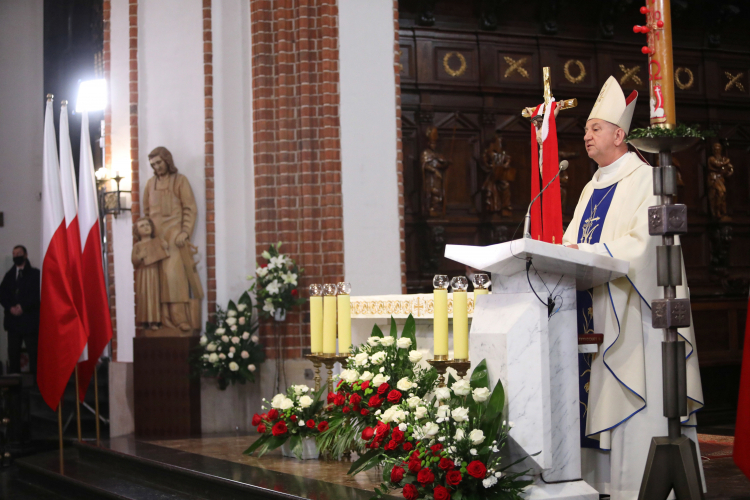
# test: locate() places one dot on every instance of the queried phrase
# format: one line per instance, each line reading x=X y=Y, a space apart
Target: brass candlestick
x=460 y=365
x=441 y=364
x=317 y=362
x=330 y=360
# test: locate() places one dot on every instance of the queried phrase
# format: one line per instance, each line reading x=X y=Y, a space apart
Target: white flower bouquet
x=277 y=284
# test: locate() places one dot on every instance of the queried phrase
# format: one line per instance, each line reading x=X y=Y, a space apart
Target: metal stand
x=672 y=460
x=60 y=434
x=330 y=360
x=441 y=365
x=317 y=362
x=78 y=407
x=96 y=403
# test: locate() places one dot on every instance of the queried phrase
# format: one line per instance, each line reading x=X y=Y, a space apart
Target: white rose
x=230 y=355
x=224 y=338
x=233 y=328
x=442 y=393
x=235 y=340
x=276 y=401
x=231 y=313
x=415 y=356
x=366 y=376
x=387 y=415
x=461 y=388
x=380 y=379
x=204 y=340
x=402 y=427
x=398 y=415
x=211 y=347
x=481 y=394
x=489 y=482
x=241 y=307
x=234 y=366
x=430 y=429
x=414 y=401
x=387 y=341
x=251 y=368
x=232 y=349
x=473 y=451
x=231 y=321
x=245 y=335
x=255 y=338
x=476 y=436
x=205 y=357
x=349 y=376
x=220 y=331
x=443 y=411
x=373 y=341
x=286 y=403
x=460 y=434
x=377 y=358
x=241 y=321
x=460 y=414
x=404 y=343
x=404 y=384
x=244 y=355
x=301 y=423
x=305 y=401
x=213 y=357
x=420 y=412
x=361 y=359
x=222 y=356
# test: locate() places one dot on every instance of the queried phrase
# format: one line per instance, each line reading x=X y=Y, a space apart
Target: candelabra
x=442 y=363
x=317 y=362
x=330 y=360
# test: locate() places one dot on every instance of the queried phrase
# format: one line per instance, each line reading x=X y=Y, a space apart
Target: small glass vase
x=279 y=315
x=310 y=449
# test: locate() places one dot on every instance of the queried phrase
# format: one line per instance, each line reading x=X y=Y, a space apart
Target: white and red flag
x=546 y=215
x=94 y=287
x=61 y=332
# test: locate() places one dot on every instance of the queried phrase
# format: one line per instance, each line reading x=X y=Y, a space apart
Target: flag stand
x=96 y=402
x=60 y=432
x=78 y=407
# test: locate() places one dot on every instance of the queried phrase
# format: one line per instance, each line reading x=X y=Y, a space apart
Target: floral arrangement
x=230 y=350
x=381 y=374
x=293 y=416
x=681 y=130
x=276 y=284
x=447 y=447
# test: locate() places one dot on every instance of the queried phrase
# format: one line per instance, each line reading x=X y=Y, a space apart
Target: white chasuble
x=625 y=407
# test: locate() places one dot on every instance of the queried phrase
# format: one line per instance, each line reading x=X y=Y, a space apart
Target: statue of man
x=434 y=165
x=719 y=167
x=169 y=202
x=496 y=187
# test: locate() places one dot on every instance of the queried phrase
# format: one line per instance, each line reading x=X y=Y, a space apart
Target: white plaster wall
x=21 y=131
x=372 y=260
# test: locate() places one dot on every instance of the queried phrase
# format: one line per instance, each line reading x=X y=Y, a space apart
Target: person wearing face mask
x=19 y=296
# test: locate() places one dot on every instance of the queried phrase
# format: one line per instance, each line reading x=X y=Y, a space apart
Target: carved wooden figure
x=147 y=253
x=434 y=166
x=495 y=163
x=719 y=168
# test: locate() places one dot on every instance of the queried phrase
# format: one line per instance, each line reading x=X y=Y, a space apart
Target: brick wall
x=397 y=69
x=296 y=147
x=135 y=187
x=208 y=94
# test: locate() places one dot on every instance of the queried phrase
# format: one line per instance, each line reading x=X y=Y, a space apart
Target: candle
x=345 y=317
x=440 y=316
x=316 y=319
x=460 y=318
x=481 y=285
x=329 y=319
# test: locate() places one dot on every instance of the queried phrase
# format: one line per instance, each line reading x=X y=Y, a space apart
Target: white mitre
x=611 y=105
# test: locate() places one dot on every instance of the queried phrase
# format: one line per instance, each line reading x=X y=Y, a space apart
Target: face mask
x=19 y=260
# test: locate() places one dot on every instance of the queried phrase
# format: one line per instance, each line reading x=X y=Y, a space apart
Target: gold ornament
x=680 y=84
x=454 y=72
x=581 y=71
x=514 y=65
x=630 y=74
x=734 y=81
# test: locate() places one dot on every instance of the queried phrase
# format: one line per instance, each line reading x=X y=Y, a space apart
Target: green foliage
x=681 y=130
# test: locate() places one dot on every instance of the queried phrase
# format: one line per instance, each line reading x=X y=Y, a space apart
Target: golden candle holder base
x=330 y=360
x=460 y=365
x=441 y=365
x=317 y=362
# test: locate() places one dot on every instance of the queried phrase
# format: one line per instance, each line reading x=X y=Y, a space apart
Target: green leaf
x=232 y=306
x=394 y=332
x=377 y=332
x=362 y=462
x=495 y=405
x=296 y=443
x=257 y=444
x=274 y=443
x=480 y=377
x=245 y=299
x=409 y=331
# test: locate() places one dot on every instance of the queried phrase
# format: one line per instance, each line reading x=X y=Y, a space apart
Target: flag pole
x=96 y=402
x=60 y=432
x=78 y=407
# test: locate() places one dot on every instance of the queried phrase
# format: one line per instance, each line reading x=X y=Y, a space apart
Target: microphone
x=527 y=222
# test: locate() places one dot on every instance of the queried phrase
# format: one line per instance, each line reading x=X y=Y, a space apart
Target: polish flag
x=742 y=430
x=70 y=205
x=94 y=287
x=61 y=332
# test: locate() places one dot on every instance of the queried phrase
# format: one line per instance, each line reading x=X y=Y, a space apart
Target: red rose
x=264 y=416
x=310 y=424
x=295 y=293
x=293 y=418
x=374 y=401
x=425 y=476
x=256 y=420
x=329 y=398
x=392 y=445
x=273 y=414
x=441 y=493
x=365 y=384
x=367 y=433
x=446 y=464
x=394 y=396
x=383 y=388
x=415 y=465
x=436 y=449
x=453 y=477
x=355 y=399
x=365 y=412
x=381 y=430
x=323 y=426
x=398 y=435
x=414 y=455
x=339 y=399
x=278 y=429
x=262 y=429
x=476 y=469
x=410 y=492
x=346 y=409
x=408 y=446
x=338 y=384
x=397 y=474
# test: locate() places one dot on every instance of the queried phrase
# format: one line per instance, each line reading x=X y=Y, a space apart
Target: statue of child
x=147 y=253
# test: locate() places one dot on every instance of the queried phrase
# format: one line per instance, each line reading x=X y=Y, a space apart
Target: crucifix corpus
x=546 y=220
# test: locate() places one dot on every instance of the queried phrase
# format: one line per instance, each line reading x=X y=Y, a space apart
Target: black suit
x=21 y=290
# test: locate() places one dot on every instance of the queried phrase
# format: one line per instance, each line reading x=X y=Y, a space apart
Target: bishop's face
x=159 y=165
x=600 y=140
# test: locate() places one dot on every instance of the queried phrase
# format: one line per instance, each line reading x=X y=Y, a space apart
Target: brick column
x=296 y=144
x=135 y=208
x=397 y=68
x=208 y=94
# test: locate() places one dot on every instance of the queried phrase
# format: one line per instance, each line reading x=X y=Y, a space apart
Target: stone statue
x=434 y=166
x=169 y=202
x=496 y=187
x=147 y=253
x=719 y=168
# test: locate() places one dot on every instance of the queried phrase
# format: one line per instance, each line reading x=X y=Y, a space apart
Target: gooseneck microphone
x=527 y=222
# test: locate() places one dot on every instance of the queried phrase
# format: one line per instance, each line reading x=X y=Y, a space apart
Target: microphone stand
x=527 y=220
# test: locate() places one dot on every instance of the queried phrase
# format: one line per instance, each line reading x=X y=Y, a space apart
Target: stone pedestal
x=167 y=398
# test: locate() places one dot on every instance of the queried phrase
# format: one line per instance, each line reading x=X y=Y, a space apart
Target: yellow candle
x=440 y=322
x=345 y=323
x=329 y=324
x=316 y=324
x=460 y=325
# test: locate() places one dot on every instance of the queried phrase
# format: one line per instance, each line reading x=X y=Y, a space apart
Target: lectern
x=534 y=352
